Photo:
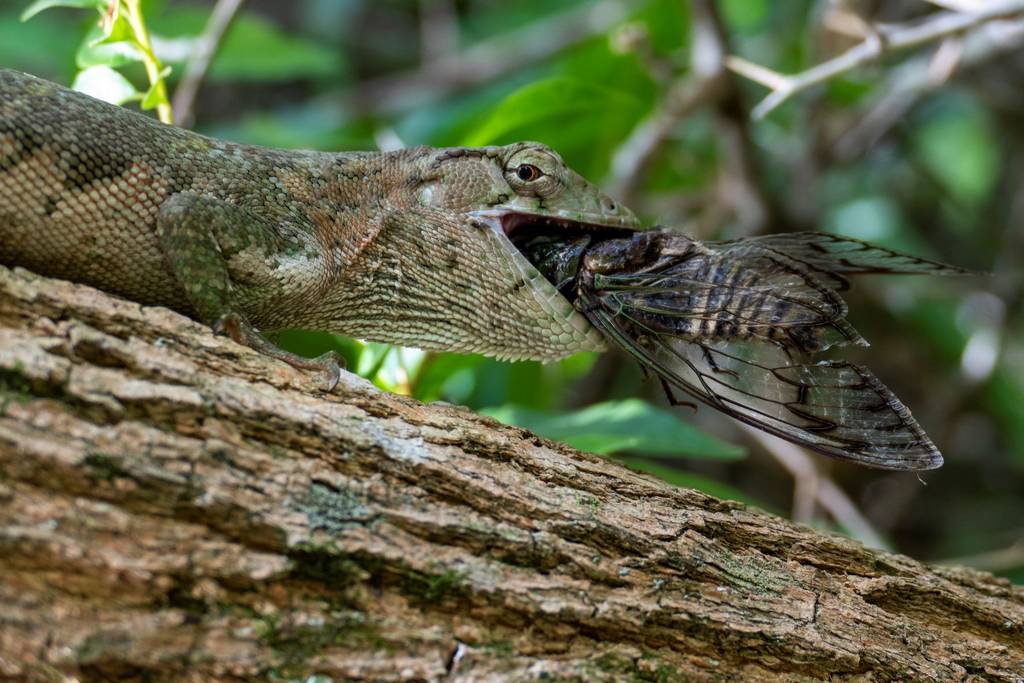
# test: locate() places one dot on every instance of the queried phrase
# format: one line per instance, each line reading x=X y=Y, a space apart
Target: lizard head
x=485 y=204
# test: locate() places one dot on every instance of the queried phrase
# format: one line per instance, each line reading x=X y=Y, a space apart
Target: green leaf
x=41 y=46
x=115 y=28
x=934 y=321
x=1004 y=396
x=449 y=376
x=253 y=48
x=152 y=98
x=874 y=218
x=94 y=51
x=848 y=91
x=40 y=5
x=745 y=15
x=114 y=54
x=585 y=121
x=372 y=360
x=547 y=102
x=878 y=219
x=105 y=84
x=615 y=426
x=668 y=24
x=488 y=19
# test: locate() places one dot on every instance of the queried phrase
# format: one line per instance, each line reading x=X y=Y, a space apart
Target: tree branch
x=173 y=506
x=707 y=84
x=199 y=61
x=439 y=29
x=880 y=41
x=909 y=82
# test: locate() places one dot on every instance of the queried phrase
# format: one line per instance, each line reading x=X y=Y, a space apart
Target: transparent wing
x=830 y=257
x=832 y=407
x=756 y=294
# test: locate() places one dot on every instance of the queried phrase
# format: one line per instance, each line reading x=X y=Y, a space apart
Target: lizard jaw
x=509 y=230
x=518 y=227
x=513 y=222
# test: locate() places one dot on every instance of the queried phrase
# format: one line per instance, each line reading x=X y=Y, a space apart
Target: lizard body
x=410 y=247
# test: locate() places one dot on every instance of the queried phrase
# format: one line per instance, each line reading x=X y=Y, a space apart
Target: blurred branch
x=704 y=85
x=913 y=80
x=439 y=29
x=707 y=84
x=967 y=6
x=880 y=40
x=1002 y=560
x=812 y=486
x=1009 y=264
x=480 y=63
x=199 y=61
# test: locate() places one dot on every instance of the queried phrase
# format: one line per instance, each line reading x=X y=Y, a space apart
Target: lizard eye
x=528 y=172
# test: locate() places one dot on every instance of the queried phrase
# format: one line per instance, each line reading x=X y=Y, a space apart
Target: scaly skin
x=409 y=247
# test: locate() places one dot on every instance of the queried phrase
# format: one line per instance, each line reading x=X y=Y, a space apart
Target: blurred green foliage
x=118 y=38
x=941 y=179
x=629 y=425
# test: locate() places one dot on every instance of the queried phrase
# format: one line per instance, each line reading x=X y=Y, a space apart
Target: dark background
x=921 y=151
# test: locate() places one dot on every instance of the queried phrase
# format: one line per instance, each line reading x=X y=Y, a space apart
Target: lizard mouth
x=555 y=245
x=522 y=228
x=520 y=241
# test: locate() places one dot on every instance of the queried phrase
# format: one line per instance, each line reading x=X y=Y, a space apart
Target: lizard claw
x=230 y=325
x=331 y=365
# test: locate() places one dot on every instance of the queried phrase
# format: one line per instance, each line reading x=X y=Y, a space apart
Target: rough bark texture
x=174 y=506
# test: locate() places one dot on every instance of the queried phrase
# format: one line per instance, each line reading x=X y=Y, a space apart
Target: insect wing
x=830 y=257
x=832 y=407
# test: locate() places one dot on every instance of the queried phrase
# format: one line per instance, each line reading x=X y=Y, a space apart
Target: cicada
x=738 y=325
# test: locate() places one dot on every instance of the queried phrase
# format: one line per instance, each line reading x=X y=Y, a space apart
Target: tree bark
x=174 y=506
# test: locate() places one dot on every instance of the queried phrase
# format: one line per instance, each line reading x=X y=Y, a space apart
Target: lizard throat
x=534 y=299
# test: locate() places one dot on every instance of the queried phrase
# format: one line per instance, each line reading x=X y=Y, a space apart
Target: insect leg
x=672 y=400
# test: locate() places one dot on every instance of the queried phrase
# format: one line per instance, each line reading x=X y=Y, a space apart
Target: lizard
x=412 y=247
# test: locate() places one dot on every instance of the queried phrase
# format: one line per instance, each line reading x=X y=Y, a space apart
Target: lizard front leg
x=200 y=236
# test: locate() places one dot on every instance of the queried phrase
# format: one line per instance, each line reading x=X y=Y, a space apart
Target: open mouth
x=524 y=228
x=555 y=246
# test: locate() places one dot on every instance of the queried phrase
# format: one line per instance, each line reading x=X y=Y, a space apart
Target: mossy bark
x=174 y=506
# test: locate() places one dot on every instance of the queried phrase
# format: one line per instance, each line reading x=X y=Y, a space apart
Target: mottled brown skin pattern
x=407 y=247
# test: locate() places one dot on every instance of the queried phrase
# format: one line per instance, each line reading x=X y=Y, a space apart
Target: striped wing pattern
x=736 y=325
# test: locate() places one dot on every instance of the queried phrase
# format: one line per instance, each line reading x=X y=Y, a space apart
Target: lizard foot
x=241 y=331
x=330 y=365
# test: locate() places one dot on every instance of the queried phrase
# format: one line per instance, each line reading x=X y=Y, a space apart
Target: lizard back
x=81 y=182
